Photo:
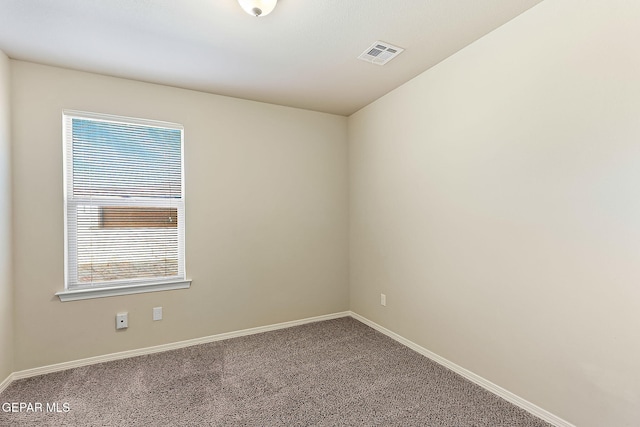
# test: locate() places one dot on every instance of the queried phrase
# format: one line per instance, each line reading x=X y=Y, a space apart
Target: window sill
x=79 y=294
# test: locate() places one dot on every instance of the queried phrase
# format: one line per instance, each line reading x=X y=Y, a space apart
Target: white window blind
x=124 y=195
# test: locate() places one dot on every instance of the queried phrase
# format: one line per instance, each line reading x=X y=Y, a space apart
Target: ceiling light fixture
x=258 y=7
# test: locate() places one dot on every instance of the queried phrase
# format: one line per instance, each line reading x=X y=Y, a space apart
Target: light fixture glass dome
x=258 y=7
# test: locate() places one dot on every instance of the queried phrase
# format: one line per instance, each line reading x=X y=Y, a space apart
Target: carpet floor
x=332 y=373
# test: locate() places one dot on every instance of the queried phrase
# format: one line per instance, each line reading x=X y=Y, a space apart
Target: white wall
x=6 y=284
x=495 y=200
x=266 y=216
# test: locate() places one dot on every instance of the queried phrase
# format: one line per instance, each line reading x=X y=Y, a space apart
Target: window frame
x=76 y=291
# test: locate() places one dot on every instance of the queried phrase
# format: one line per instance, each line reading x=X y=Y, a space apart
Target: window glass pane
x=126 y=160
x=124 y=251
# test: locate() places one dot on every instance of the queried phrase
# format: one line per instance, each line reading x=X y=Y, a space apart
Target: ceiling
x=304 y=54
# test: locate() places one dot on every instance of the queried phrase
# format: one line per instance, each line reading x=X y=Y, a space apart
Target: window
x=124 y=202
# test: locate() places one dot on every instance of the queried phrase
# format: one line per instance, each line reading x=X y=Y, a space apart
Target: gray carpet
x=333 y=373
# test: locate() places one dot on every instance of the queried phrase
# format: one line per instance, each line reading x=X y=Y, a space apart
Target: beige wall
x=495 y=200
x=6 y=284
x=266 y=212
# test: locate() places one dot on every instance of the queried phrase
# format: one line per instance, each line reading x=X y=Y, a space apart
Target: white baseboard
x=4 y=384
x=477 y=379
x=164 y=347
x=493 y=388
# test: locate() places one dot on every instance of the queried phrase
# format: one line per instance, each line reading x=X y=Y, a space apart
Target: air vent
x=380 y=53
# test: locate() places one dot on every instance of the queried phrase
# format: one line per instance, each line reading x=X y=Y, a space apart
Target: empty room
x=327 y=212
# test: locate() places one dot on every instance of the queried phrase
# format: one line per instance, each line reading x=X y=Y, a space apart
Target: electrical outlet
x=383 y=300
x=122 y=320
x=157 y=313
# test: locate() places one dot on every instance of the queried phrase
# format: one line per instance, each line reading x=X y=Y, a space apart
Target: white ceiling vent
x=380 y=53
